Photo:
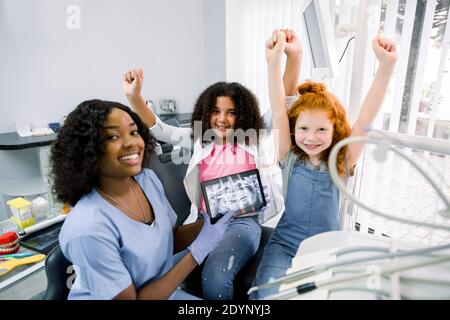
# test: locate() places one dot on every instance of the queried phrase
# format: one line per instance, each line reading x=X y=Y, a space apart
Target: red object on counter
x=9 y=243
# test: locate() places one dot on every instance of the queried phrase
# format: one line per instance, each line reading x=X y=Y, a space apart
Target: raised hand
x=275 y=46
x=385 y=50
x=293 y=44
x=132 y=82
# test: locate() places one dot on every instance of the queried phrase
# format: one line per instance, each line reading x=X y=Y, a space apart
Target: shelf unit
x=24 y=185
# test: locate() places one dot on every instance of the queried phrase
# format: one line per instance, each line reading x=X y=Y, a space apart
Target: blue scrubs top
x=110 y=251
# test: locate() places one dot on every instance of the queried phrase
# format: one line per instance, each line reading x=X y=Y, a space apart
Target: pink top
x=224 y=160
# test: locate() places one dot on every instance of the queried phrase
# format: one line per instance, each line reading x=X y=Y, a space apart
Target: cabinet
x=24 y=167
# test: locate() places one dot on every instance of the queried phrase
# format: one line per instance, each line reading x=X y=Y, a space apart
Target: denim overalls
x=312 y=207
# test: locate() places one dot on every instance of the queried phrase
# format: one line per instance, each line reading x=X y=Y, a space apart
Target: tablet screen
x=43 y=241
x=241 y=193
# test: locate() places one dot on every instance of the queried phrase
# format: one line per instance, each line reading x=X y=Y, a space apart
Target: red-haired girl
x=308 y=131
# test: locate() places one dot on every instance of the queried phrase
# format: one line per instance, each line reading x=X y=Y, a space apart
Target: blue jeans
x=274 y=264
x=312 y=207
x=239 y=244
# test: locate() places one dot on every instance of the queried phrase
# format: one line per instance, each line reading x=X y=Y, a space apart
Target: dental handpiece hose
x=309 y=271
x=309 y=286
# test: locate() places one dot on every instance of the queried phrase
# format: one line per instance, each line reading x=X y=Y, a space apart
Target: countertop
x=12 y=141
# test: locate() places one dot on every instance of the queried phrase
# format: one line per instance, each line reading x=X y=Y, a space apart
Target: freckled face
x=313 y=132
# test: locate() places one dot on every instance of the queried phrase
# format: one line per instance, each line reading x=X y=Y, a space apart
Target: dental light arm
x=413 y=142
x=380 y=139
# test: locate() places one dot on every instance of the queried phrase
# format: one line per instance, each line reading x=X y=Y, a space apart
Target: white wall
x=47 y=69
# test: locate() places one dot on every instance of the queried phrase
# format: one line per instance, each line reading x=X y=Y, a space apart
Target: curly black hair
x=246 y=104
x=78 y=148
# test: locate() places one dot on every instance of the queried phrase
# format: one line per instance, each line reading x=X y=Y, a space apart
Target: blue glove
x=209 y=237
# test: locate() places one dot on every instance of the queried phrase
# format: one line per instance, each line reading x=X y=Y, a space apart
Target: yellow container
x=22 y=214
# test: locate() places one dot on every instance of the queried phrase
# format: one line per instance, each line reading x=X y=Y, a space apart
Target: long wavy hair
x=315 y=96
x=76 y=153
x=246 y=104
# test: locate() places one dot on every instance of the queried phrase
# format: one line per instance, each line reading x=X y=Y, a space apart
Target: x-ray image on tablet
x=240 y=193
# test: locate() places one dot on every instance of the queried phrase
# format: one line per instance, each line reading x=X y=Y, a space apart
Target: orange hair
x=315 y=96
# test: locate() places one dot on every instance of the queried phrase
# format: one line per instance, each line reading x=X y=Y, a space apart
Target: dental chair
x=57 y=270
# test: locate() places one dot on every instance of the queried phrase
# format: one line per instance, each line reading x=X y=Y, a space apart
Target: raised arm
x=386 y=52
x=280 y=122
x=132 y=85
x=294 y=54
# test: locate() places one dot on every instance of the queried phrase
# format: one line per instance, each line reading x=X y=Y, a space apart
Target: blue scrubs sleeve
x=98 y=265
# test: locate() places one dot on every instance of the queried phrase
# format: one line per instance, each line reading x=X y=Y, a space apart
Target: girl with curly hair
x=219 y=113
x=121 y=233
x=308 y=131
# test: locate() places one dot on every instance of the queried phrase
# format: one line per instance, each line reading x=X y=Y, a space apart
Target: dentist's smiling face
x=123 y=147
x=223 y=118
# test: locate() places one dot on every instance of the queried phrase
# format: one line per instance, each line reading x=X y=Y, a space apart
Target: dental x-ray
x=240 y=193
